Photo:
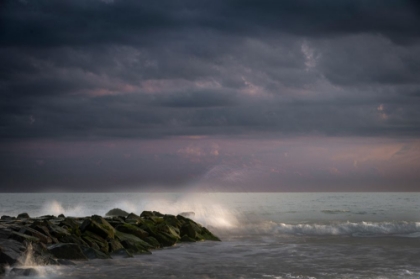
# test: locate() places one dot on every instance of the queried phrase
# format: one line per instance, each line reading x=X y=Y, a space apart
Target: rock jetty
x=60 y=240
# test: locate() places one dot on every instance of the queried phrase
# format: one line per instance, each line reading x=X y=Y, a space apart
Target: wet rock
x=68 y=251
x=2 y=269
x=132 y=243
x=10 y=251
x=73 y=239
x=61 y=216
x=23 y=237
x=32 y=232
x=72 y=226
x=132 y=218
x=23 y=216
x=115 y=245
x=121 y=253
x=186 y=238
x=207 y=235
x=92 y=253
x=95 y=241
x=131 y=229
x=152 y=242
x=7 y=218
x=117 y=212
x=99 y=226
x=146 y=213
x=24 y=271
x=57 y=231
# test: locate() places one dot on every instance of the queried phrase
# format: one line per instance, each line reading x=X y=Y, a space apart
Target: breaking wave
x=408 y=229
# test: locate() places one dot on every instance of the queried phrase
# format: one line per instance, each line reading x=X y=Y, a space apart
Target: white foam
x=350 y=228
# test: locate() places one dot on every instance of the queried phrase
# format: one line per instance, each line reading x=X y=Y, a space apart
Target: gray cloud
x=94 y=71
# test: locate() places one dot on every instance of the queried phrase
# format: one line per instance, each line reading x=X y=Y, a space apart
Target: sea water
x=264 y=235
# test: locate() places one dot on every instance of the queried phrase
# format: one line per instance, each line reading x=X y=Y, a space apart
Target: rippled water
x=264 y=235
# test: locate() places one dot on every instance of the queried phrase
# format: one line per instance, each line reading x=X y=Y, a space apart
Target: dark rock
x=47 y=217
x=147 y=214
x=207 y=235
x=68 y=251
x=186 y=238
x=132 y=218
x=73 y=239
x=115 y=245
x=95 y=241
x=24 y=271
x=121 y=253
x=92 y=253
x=23 y=237
x=172 y=220
x=117 y=212
x=32 y=232
x=130 y=229
x=152 y=242
x=7 y=218
x=23 y=216
x=57 y=231
x=10 y=251
x=99 y=226
x=61 y=216
x=132 y=243
x=2 y=269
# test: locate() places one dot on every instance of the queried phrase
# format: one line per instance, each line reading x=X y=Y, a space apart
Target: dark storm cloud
x=216 y=67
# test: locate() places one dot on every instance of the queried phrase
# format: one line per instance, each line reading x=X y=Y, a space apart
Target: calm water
x=264 y=235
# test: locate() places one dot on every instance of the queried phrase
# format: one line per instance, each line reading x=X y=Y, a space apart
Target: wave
x=337 y=211
x=409 y=229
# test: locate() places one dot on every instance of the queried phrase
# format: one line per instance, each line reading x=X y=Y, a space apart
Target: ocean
x=264 y=235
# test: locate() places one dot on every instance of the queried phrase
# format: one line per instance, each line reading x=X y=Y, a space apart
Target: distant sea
x=264 y=235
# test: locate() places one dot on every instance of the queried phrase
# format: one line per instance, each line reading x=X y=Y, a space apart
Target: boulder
x=10 y=251
x=32 y=232
x=67 y=251
x=7 y=218
x=117 y=212
x=132 y=218
x=114 y=245
x=95 y=241
x=23 y=237
x=92 y=253
x=131 y=229
x=121 y=253
x=132 y=243
x=99 y=226
x=152 y=242
x=23 y=216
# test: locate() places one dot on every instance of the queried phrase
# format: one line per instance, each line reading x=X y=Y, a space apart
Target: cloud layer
x=98 y=71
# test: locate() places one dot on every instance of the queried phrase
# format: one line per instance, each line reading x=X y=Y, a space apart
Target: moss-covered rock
x=132 y=243
x=115 y=245
x=92 y=239
x=99 y=226
x=131 y=229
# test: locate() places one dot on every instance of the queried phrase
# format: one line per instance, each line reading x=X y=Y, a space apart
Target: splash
x=56 y=208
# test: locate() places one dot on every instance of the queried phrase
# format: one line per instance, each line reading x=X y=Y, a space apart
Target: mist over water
x=264 y=235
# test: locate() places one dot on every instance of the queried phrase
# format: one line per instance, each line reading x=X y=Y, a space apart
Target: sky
x=220 y=95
